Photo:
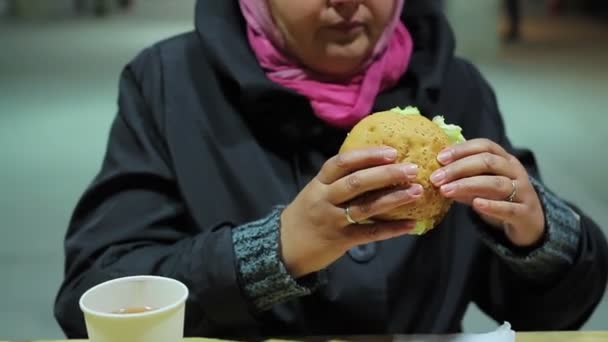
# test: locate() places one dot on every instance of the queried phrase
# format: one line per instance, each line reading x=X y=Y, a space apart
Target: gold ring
x=514 y=192
x=348 y=217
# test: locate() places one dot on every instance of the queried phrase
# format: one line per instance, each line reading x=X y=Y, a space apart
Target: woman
x=221 y=171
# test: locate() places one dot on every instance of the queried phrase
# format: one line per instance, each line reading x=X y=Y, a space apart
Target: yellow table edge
x=555 y=336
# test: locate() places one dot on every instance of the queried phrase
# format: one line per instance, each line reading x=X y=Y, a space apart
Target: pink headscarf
x=338 y=104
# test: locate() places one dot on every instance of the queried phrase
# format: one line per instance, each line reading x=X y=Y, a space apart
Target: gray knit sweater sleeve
x=262 y=274
x=555 y=253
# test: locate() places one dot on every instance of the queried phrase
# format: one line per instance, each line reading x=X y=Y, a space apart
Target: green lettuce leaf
x=409 y=110
x=422 y=226
x=453 y=132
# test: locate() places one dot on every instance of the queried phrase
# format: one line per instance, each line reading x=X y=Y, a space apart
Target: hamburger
x=418 y=140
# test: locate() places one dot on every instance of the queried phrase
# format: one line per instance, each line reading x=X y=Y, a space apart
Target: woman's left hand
x=480 y=173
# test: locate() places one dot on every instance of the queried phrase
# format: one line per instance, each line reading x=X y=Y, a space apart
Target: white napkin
x=501 y=334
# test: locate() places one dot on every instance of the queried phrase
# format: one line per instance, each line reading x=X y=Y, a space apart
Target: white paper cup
x=165 y=323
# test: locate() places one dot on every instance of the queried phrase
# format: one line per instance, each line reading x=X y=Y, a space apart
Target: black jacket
x=203 y=142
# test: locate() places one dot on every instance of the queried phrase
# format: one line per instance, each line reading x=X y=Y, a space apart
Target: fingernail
x=448 y=188
x=438 y=176
x=411 y=170
x=415 y=190
x=445 y=156
x=390 y=153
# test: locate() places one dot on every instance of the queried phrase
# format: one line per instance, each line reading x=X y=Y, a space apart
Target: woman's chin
x=343 y=64
x=354 y=51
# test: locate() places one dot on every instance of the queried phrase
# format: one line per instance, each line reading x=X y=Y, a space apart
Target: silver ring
x=348 y=217
x=514 y=192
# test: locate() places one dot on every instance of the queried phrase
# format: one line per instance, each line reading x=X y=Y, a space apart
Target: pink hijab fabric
x=339 y=104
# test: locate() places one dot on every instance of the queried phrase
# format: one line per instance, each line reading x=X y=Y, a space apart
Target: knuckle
x=341 y=161
x=464 y=186
x=316 y=210
x=353 y=182
x=511 y=211
x=500 y=183
x=513 y=160
x=490 y=161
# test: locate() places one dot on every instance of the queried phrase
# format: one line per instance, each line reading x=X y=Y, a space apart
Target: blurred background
x=59 y=67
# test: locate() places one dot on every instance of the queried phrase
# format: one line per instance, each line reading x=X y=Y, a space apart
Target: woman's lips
x=347 y=27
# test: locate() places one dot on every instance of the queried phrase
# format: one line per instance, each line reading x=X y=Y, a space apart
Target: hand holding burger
x=418 y=141
x=398 y=173
x=481 y=174
x=362 y=184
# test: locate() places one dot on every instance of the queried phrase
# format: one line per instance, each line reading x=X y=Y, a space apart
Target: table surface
x=567 y=336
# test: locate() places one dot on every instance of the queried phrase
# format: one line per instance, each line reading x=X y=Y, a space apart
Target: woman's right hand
x=314 y=229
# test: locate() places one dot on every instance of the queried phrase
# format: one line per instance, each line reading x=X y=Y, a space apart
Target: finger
x=375 y=178
x=479 y=164
x=489 y=187
x=501 y=210
x=382 y=201
x=344 y=163
x=366 y=233
x=469 y=148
